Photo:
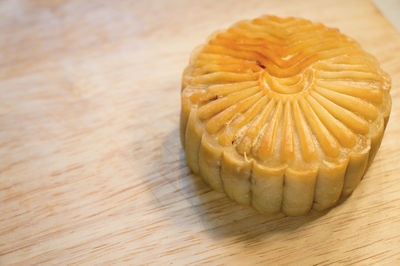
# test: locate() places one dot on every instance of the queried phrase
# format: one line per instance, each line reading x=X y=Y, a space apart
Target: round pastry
x=283 y=114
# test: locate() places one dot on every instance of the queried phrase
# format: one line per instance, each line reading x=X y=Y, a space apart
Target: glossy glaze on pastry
x=283 y=114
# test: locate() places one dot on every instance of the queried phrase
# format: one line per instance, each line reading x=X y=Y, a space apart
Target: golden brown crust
x=283 y=114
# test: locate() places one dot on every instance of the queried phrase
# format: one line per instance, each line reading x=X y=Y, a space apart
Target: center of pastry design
x=287 y=85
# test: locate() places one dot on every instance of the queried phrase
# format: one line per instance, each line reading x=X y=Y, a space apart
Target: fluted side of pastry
x=283 y=114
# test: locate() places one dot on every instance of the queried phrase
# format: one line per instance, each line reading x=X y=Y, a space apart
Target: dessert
x=283 y=114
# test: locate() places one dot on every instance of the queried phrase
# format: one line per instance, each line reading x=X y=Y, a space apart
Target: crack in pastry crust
x=283 y=107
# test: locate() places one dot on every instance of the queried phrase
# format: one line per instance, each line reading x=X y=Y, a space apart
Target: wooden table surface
x=91 y=168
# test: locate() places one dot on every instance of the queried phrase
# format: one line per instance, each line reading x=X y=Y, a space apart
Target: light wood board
x=91 y=168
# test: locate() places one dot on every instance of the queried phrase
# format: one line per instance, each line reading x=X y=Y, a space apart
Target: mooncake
x=282 y=114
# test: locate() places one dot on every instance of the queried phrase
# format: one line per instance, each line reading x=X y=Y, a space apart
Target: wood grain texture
x=91 y=167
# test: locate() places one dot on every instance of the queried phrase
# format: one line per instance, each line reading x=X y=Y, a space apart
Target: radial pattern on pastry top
x=286 y=90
